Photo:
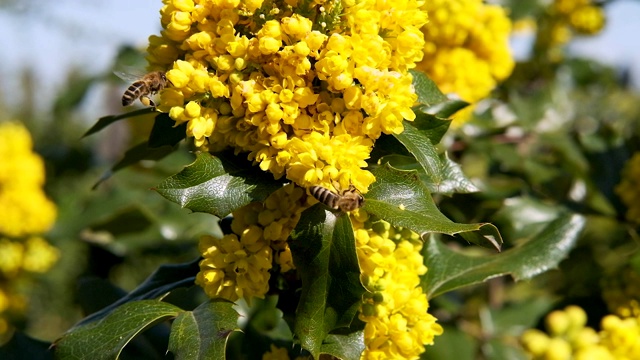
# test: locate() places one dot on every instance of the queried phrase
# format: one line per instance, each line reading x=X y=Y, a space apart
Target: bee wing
x=128 y=77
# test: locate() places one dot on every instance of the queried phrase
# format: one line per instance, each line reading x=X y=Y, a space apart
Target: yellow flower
x=237 y=265
x=466 y=49
x=395 y=312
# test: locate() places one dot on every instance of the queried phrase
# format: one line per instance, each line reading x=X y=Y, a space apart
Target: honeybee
x=143 y=87
x=346 y=200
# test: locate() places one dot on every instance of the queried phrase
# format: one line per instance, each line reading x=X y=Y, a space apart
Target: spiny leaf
x=323 y=248
x=106 y=338
x=449 y=270
x=345 y=347
x=166 y=278
x=203 y=332
x=218 y=185
x=401 y=199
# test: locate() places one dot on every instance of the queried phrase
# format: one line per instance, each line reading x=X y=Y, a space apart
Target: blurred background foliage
x=554 y=136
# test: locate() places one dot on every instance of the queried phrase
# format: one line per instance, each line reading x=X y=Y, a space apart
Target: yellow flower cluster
x=25 y=212
x=582 y=16
x=24 y=208
x=466 y=49
x=569 y=338
x=304 y=87
x=237 y=265
x=629 y=188
x=395 y=312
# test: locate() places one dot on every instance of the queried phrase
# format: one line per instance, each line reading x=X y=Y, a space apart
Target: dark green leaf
x=218 y=185
x=105 y=121
x=454 y=180
x=165 y=131
x=427 y=90
x=106 y=338
x=203 y=332
x=423 y=150
x=323 y=248
x=166 y=278
x=345 y=347
x=136 y=154
x=431 y=126
x=449 y=270
x=401 y=199
x=446 y=108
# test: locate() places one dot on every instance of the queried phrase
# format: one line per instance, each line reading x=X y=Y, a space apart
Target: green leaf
x=165 y=132
x=427 y=90
x=446 y=108
x=454 y=179
x=106 y=338
x=166 y=278
x=218 y=185
x=449 y=270
x=134 y=155
x=105 y=121
x=440 y=174
x=323 y=248
x=203 y=332
x=401 y=199
x=345 y=347
x=431 y=126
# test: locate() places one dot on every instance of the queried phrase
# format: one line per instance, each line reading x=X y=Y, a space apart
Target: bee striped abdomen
x=325 y=196
x=132 y=93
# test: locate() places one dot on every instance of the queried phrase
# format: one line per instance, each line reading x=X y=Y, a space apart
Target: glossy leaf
x=218 y=185
x=345 y=347
x=136 y=154
x=106 y=338
x=203 y=332
x=401 y=199
x=431 y=126
x=166 y=278
x=454 y=180
x=323 y=248
x=449 y=270
x=427 y=90
x=105 y=121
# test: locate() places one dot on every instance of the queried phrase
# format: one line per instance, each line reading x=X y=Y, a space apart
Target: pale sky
x=50 y=36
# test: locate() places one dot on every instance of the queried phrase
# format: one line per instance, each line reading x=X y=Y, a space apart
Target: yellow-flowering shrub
x=466 y=48
x=303 y=87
